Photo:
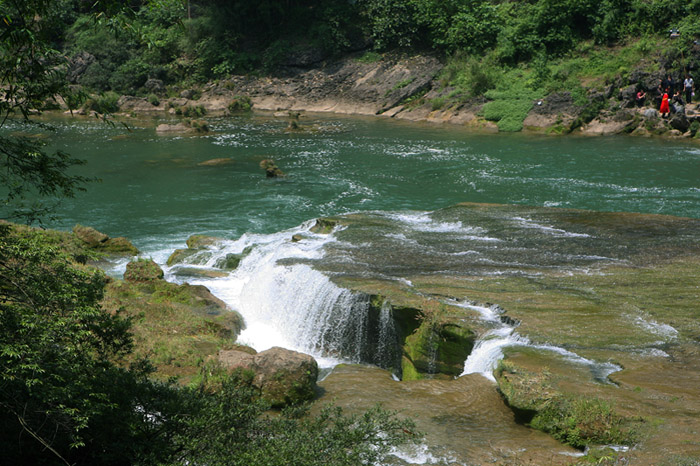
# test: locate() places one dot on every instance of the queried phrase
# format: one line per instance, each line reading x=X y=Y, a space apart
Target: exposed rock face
x=284 y=377
x=143 y=270
x=680 y=122
x=344 y=86
x=78 y=65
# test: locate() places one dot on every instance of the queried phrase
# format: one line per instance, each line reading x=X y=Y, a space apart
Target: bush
x=240 y=104
x=103 y=103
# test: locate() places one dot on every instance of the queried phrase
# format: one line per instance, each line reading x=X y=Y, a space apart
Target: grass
x=172 y=325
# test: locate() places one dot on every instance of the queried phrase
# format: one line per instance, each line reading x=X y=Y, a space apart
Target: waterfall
x=285 y=302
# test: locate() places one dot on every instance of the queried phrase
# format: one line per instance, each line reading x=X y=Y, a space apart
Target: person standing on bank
x=664 y=109
x=688 y=85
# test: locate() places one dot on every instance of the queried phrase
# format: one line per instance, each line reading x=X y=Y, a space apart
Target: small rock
x=271 y=169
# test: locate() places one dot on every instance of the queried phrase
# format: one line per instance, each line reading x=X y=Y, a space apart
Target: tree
x=32 y=179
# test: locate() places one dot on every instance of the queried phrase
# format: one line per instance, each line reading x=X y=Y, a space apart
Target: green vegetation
x=577 y=421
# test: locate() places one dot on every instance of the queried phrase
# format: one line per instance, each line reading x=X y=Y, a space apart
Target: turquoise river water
x=153 y=191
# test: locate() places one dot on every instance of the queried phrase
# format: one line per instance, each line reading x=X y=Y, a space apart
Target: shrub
x=153 y=100
x=103 y=103
x=240 y=104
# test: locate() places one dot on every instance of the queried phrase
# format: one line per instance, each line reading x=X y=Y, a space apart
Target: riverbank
x=413 y=88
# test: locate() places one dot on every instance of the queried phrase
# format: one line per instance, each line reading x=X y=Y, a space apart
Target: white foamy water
x=488 y=350
x=527 y=223
x=289 y=304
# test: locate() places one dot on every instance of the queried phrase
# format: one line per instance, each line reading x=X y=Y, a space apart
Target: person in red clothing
x=664 y=109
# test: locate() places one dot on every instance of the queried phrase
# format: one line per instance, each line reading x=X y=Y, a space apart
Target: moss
x=201 y=241
x=578 y=421
x=173 y=324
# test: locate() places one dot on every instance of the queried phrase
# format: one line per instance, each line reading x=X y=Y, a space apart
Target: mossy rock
x=228 y=262
x=88 y=235
x=118 y=246
x=578 y=421
x=143 y=270
x=201 y=241
x=439 y=347
x=99 y=241
x=324 y=226
x=179 y=255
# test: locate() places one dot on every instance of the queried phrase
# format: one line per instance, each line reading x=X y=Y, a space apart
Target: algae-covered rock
x=179 y=255
x=201 y=241
x=438 y=348
x=88 y=235
x=143 y=270
x=324 y=226
x=228 y=262
x=579 y=421
x=119 y=246
x=271 y=169
x=99 y=241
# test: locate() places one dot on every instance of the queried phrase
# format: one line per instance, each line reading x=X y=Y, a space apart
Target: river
x=399 y=179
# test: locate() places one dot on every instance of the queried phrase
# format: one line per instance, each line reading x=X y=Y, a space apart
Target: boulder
x=651 y=114
x=88 y=235
x=120 y=246
x=201 y=241
x=679 y=122
x=154 y=86
x=187 y=94
x=143 y=270
x=628 y=96
x=284 y=377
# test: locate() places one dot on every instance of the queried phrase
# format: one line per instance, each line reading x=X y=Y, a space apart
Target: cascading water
x=285 y=302
x=488 y=350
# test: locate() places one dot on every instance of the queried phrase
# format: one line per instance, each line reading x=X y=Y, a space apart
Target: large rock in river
x=284 y=377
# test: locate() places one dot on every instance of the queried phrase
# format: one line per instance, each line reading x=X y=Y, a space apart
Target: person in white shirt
x=688 y=85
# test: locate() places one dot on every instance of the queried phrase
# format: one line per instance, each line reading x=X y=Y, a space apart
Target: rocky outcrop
x=98 y=241
x=143 y=270
x=284 y=377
